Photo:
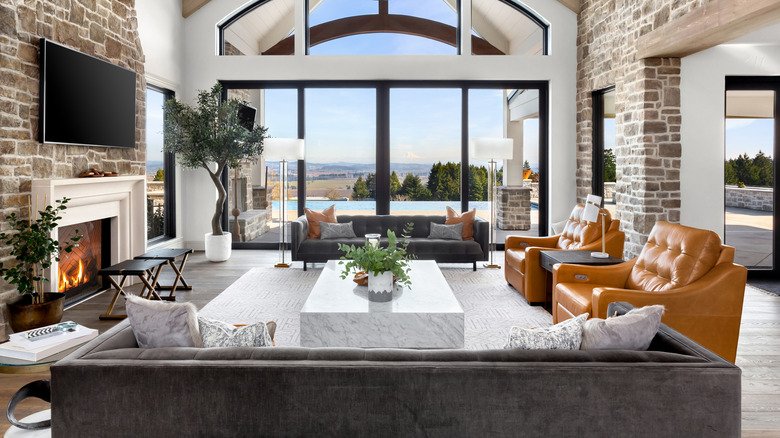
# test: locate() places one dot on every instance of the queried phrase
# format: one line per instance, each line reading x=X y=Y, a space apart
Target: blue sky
x=154 y=125
x=749 y=136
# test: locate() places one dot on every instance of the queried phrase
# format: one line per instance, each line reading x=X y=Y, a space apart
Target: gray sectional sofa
x=110 y=387
x=443 y=251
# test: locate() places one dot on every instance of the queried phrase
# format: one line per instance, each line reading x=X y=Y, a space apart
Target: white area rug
x=490 y=305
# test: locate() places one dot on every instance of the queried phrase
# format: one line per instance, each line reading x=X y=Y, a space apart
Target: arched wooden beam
x=383 y=23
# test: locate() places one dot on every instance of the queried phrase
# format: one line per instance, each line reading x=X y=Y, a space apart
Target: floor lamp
x=591 y=214
x=283 y=150
x=491 y=149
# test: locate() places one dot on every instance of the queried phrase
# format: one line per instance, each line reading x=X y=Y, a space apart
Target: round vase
x=24 y=315
x=218 y=247
x=380 y=287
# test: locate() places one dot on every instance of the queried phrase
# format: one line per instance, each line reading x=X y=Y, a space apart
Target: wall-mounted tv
x=84 y=100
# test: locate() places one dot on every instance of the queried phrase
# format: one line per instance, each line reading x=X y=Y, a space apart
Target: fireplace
x=78 y=270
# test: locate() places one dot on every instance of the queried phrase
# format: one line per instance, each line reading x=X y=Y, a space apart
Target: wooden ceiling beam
x=574 y=5
x=188 y=7
x=716 y=23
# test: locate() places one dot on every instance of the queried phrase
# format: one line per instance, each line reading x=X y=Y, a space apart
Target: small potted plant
x=34 y=250
x=383 y=265
x=213 y=137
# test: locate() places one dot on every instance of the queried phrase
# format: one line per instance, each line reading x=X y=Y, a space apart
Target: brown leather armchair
x=521 y=253
x=686 y=269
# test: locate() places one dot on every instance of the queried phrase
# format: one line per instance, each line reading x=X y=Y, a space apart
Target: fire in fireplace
x=78 y=270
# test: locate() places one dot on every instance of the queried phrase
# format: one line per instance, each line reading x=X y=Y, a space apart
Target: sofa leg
x=304 y=266
x=475 y=266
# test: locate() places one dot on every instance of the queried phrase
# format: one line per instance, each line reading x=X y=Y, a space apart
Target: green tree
x=477 y=183
x=371 y=185
x=412 y=187
x=526 y=165
x=159 y=175
x=359 y=190
x=731 y=174
x=764 y=170
x=610 y=168
x=395 y=184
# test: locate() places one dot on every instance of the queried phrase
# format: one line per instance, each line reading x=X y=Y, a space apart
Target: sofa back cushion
x=578 y=233
x=674 y=256
x=363 y=225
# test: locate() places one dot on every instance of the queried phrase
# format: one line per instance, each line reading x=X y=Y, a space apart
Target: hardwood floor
x=758 y=354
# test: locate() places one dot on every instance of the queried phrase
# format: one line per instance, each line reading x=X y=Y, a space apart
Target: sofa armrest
x=299 y=231
x=482 y=235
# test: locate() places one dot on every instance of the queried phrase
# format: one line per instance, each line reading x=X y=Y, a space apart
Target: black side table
x=169 y=255
x=548 y=259
x=145 y=270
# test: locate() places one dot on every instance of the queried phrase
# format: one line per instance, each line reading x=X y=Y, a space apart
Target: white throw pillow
x=221 y=334
x=566 y=335
x=632 y=331
x=162 y=324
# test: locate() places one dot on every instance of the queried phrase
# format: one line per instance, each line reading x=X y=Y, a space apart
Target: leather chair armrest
x=299 y=231
x=517 y=242
x=713 y=291
x=609 y=276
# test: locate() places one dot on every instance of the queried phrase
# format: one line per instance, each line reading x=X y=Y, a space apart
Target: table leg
x=119 y=290
x=151 y=286
x=179 y=276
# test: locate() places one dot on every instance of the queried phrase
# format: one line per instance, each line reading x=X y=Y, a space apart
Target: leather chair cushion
x=515 y=258
x=674 y=256
x=578 y=233
x=576 y=298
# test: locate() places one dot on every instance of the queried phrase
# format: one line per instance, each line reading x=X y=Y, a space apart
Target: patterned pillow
x=221 y=334
x=159 y=324
x=566 y=335
x=632 y=331
x=336 y=231
x=446 y=232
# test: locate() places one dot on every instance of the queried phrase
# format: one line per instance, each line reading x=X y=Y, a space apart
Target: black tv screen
x=84 y=100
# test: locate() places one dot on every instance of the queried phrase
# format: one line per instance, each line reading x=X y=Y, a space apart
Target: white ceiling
x=769 y=35
x=505 y=28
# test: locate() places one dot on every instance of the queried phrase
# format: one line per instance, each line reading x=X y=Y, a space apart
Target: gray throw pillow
x=336 y=231
x=446 y=232
x=158 y=324
x=222 y=334
x=566 y=335
x=632 y=331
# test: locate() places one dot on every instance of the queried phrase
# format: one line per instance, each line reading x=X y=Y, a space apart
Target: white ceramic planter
x=380 y=287
x=218 y=248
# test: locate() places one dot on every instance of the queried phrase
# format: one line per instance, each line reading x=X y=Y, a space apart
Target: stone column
x=513 y=208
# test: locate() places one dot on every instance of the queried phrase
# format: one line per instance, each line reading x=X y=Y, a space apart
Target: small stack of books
x=38 y=344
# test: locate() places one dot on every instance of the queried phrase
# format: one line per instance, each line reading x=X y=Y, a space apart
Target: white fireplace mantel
x=121 y=199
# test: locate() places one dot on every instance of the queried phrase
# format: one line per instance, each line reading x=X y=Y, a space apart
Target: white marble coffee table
x=425 y=315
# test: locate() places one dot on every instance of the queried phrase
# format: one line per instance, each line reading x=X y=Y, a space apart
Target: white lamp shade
x=592 y=208
x=287 y=149
x=491 y=148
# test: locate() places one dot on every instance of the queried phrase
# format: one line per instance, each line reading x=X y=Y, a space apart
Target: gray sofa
x=110 y=387
x=443 y=251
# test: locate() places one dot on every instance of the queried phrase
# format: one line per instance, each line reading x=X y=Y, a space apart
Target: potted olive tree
x=212 y=136
x=34 y=250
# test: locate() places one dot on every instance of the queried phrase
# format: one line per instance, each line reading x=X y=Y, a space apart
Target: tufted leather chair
x=521 y=253
x=686 y=269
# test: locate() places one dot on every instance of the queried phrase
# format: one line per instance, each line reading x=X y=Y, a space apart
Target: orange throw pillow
x=315 y=217
x=468 y=221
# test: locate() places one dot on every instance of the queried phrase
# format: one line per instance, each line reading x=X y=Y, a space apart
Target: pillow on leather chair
x=632 y=331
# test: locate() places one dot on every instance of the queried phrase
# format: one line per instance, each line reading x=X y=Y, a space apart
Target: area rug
x=767 y=285
x=489 y=304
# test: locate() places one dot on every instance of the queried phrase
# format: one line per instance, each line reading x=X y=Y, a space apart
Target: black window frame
x=597 y=154
x=169 y=181
x=383 y=134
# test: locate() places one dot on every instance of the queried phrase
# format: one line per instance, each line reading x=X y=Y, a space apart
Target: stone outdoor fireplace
x=110 y=212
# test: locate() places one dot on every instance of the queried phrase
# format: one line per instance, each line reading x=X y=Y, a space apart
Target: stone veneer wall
x=752 y=198
x=513 y=208
x=647 y=107
x=106 y=29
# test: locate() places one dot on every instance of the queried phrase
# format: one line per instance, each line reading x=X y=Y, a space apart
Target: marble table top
x=423 y=315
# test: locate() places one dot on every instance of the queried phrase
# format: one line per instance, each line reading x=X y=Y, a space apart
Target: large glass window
x=604 y=175
x=383 y=27
x=425 y=150
x=341 y=150
x=265 y=28
x=160 y=170
x=503 y=27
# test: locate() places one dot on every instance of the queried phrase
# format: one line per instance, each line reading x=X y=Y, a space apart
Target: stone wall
x=647 y=107
x=513 y=208
x=752 y=198
x=106 y=29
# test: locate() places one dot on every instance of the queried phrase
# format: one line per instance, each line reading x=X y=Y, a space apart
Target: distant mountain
x=152 y=166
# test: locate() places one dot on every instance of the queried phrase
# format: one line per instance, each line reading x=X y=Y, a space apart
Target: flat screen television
x=84 y=100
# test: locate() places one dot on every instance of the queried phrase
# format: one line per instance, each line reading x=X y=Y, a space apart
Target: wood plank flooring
x=758 y=354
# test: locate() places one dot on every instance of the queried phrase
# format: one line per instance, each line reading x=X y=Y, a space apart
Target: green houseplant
x=34 y=250
x=212 y=133
x=383 y=265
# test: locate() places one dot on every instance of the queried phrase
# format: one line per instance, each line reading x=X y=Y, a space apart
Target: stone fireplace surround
x=121 y=199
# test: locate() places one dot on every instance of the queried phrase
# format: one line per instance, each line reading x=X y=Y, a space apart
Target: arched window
x=384 y=27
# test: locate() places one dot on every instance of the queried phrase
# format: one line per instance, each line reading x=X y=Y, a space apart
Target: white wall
x=203 y=68
x=161 y=30
x=702 y=100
